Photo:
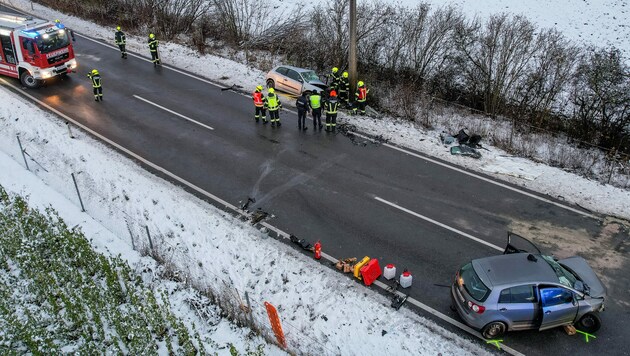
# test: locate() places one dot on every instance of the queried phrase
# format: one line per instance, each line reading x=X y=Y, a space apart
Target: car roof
x=513 y=269
x=297 y=69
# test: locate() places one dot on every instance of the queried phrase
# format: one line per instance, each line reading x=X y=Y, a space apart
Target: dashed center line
x=435 y=222
x=173 y=112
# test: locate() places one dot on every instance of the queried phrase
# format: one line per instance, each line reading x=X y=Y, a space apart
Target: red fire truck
x=34 y=49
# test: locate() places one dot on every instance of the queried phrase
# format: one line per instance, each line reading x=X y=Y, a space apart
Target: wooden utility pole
x=352 y=51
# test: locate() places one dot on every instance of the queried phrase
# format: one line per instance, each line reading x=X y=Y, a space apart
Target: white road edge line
x=241 y=212
x=448 y=319
x=173 y=112
x=439 y=224
x=149 y=61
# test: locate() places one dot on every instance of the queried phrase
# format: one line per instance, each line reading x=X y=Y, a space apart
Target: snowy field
x=241 y=255
x=588 y=22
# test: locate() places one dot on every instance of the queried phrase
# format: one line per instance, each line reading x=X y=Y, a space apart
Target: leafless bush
x=176 y=16
x=420 y=41
x=495 y=56
x=601 y=98
x=256 y=22
x=537 y=95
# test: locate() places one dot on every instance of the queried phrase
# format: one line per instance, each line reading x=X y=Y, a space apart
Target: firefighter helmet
x=271 y=90
x=333 y=93
x=360 y=83
x=151 y=36
x=314 y=91
x=94 y=71
x=117 y=28
x=345 y=74
x=335 y=69
x=259 y=88
x=57 y=21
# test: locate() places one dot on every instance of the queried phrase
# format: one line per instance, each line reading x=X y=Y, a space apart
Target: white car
x=294 y=80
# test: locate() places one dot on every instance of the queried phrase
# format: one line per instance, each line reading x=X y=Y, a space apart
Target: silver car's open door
x=518 y=244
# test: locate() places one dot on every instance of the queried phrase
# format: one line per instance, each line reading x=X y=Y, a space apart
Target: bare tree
x=538 y=96
x=329 y=34
x=495 y=56
x=601 y=97
x=428 y=39
x=176 y=16
x=250 y=20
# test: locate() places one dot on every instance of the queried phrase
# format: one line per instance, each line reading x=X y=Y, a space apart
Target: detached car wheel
x=28 y=80
x=589 y=323
x=493 y=330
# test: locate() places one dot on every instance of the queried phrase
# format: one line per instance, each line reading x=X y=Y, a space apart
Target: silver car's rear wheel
x=493 y=330
x=271 y=83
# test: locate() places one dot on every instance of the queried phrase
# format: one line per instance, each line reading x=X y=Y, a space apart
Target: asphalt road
x=320 y=186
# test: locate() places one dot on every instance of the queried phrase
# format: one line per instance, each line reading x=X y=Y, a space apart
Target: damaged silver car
x=523 y=290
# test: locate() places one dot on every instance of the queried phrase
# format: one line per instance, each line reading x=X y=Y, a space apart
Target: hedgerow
x=58 y=295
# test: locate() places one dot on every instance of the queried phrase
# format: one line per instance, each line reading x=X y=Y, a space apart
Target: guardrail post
x=22 y=152
x=149 y=236
x=78 y=193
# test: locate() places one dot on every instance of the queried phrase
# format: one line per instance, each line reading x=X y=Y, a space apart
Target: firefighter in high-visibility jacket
x=273 y=104
x=344 y=88
x=95 y=76
x=153 y=47
x=121 y=41
x=259 y=104
x=361 y=98
x=316 y=109
x=334 y=78
x=331 y=105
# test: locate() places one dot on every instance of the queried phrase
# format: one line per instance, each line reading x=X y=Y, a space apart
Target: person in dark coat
x=303 y=106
